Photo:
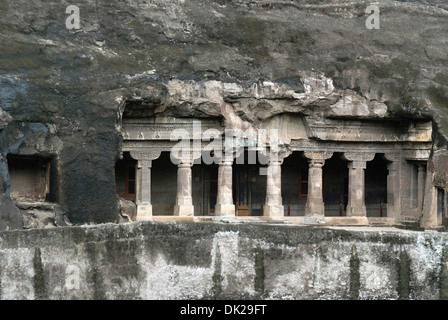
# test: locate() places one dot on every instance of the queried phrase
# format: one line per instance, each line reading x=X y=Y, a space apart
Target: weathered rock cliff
x=63 y=91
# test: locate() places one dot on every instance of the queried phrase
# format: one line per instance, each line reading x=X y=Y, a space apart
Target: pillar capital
x=318 y=155
x=392 y=156
x=275 y=161
x=184 y=156
x=144 y=163
x=148 y=154
x=421 y=167
x=225 y=161
x=357 y=164
x=316 y=163
x=278 y=155
x=185 y=165
x=359 y=156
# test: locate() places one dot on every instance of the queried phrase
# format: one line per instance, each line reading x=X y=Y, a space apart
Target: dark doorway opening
x=335 y=186
x=376 y=187
x=295 y=184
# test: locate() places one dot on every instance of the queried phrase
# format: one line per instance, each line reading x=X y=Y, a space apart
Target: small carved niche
x=29 y=177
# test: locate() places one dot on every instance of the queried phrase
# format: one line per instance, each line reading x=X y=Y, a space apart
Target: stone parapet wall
x=209 y=260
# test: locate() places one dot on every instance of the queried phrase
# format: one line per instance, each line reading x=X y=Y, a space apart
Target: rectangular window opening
x=29 y=178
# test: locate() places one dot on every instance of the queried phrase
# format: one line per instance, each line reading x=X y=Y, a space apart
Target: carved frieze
x=148 y=129
x=343 y=146
x=369 y=131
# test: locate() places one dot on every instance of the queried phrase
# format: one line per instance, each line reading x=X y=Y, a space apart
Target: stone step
x=410 y=219
x=409 y=225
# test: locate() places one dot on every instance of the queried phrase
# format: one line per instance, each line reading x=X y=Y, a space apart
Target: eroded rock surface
x=63 y=91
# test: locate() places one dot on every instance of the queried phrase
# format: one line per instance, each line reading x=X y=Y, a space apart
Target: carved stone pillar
x=224 y=201
x=356 y=189
x=393 y=185
x=356 y=182
x=143 y=190
x=315 y=203
x=421 y=186
x=143 y=181
x=273 y=205
x=184 y=201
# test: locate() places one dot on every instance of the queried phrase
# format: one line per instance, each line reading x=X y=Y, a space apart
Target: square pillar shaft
x=356 y=189
x=393 y=190
x=184 y=201
x=274 y=206
x=143 y=190
x=421 y=186
x=224 y=201
x=315 y=203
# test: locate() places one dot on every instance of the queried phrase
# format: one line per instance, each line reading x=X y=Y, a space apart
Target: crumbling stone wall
x=183 y=260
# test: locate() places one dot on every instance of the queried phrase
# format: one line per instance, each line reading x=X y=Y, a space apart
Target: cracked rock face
x=10 y=217
x=63 y=91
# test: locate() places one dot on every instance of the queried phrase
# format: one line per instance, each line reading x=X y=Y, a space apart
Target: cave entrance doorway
x=335 y=186
x=163 y=185
x=376 y=187
x=295 y=181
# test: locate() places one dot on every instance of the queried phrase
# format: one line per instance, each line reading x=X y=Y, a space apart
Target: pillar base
x=225 y=210
x=184 y=210
x=274 y=211
x=315 y=210
x=144 y=212
x=356 y=211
